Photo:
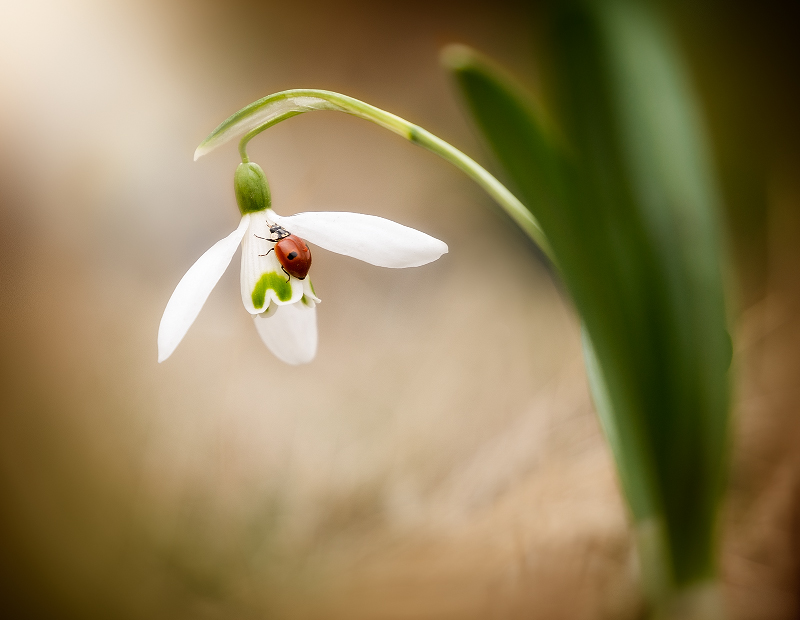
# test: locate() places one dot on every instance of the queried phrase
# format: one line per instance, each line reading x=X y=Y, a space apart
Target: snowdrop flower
x=276 y=288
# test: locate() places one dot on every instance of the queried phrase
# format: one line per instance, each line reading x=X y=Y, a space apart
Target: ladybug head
x=278 y=232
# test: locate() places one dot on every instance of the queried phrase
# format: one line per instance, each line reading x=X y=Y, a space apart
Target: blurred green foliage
x=622 y=185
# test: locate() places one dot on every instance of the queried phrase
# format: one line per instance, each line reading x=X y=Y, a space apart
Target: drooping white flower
x=283 y=305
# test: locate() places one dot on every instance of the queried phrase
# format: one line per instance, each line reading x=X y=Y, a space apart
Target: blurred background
x=440 y=458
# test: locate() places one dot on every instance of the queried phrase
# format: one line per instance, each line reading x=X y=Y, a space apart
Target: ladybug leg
x=268 y=251
x=288 y=277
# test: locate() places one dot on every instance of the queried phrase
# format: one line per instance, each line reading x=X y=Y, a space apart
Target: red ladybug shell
x=294 y=255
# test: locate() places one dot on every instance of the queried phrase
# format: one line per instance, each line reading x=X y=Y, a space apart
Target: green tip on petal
x=277 y=283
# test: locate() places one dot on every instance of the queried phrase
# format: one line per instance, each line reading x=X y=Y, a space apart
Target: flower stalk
x=272 y=109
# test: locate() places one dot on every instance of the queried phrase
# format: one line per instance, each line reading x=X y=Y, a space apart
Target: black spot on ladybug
x=294 y=256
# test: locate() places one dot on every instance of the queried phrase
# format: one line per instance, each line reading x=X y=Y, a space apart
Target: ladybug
x=292 y=252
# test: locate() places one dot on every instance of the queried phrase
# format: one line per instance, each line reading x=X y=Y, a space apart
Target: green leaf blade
x=630 y=209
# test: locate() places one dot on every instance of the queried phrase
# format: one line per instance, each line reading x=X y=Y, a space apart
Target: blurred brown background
x=440 y=458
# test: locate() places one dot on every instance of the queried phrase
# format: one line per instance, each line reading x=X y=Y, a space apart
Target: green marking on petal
x=311 y=284
x=277 y=282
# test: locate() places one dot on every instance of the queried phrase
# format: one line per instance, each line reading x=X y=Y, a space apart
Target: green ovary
x=277 y=283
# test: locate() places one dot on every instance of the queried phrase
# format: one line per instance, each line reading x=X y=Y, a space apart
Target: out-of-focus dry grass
x=440 y=458
x=762 y=551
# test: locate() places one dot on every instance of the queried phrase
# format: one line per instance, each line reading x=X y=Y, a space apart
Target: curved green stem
x=271 y=110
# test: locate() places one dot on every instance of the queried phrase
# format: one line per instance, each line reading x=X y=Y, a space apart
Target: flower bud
x=252 y=190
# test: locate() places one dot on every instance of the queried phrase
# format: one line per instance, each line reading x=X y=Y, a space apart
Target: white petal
x=290 y=333
x=193 y=290
x=375 y=240
x=309 y=296
x=263 y=281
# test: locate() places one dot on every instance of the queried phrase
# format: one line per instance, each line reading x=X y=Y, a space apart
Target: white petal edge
x=373 y=239
x=290 y=332
x=193 y=290
x=309 y=296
